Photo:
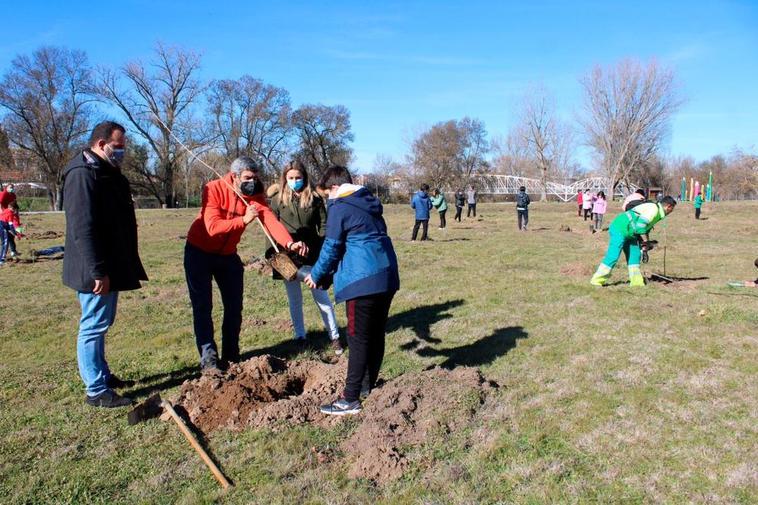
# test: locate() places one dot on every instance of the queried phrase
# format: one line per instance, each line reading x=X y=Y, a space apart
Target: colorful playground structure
x=689 y=192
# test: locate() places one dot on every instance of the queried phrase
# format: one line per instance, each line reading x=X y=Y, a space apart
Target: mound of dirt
x=262 y=391
x=408 y=410
x=577 y=270
x=267 y=391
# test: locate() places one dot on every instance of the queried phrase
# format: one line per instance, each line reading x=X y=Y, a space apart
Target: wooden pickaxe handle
x=196 y=445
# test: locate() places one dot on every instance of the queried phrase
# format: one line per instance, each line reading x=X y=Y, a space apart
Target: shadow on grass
x=201 y=438
x=483 y=351
x=420 y=321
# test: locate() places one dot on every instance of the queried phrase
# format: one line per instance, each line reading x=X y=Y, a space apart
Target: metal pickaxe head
x=150 y=408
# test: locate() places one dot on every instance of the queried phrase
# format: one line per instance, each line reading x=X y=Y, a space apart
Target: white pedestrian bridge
x=493 y=184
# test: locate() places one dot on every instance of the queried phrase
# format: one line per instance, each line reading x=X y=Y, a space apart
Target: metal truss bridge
x=510 y=184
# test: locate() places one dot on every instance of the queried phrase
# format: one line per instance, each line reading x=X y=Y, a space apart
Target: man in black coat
x=101 y=252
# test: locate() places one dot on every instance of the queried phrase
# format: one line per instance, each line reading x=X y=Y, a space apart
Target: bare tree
x=450 y=152
x=48 y=99
x=250 y=118
x=543 y=137
x=627 y=115
x=323 y=136
x=164 y=90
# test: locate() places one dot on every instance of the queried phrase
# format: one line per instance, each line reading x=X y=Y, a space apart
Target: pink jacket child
x=600 y=206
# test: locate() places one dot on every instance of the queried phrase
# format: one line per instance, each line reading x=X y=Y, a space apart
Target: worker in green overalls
x=625 y=232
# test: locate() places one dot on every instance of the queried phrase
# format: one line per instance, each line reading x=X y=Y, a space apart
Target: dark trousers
x=697 y=213
x=579 y=212
x=458 y=212
x=523 y=216
x=587 y=214
x=443 y=221
x=366 y=326
x=424 y=223
x=471 y=208
x=200 y=268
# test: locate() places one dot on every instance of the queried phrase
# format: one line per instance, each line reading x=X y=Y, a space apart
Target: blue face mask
x=296 y=184
x=116 y=155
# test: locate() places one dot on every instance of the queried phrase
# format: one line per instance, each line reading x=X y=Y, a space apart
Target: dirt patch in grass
x=407 y=411
x=45 y=235
x=577 y=270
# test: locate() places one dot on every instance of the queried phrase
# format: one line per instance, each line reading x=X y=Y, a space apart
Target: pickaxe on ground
x=154 y=406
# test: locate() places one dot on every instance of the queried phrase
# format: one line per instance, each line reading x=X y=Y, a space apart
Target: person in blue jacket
x=359 y=255
x=422 y=204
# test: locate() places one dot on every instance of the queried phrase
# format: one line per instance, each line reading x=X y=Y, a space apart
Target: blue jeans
x=200 y=269
x=3 y=242
x=98 y=314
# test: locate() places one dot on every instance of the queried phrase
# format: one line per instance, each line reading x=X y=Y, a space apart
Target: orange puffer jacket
x=219 y=226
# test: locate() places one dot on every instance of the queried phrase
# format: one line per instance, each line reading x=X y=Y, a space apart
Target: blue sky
x=402 y=66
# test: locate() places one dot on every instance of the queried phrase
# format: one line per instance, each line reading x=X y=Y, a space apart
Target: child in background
x=522 y=208
x=439 y=203
x=422 y=205
x=579 y=198
x=599 y=209
x=359 y=254
x=10 y=220
x=587 y=204
x=460 y=201
x=698 y=204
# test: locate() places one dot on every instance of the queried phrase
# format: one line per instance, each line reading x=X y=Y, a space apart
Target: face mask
x=11 y=190
x=251 y=188
x=296 y=184
x=115 y=156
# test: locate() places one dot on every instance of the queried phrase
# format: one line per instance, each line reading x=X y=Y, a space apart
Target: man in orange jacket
x=211 y=253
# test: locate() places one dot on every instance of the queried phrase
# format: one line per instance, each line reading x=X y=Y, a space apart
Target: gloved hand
x=645 y=257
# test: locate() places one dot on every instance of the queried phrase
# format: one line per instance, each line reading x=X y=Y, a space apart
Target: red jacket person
x=211 y=254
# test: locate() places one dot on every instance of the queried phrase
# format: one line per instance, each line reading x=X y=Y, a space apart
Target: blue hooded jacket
x=422 y=203
x=356 y=250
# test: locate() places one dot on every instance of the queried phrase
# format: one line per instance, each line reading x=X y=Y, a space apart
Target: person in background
x=471 y=199
x=358 y=253
x=11 y=221
x=102 y=257
x=460 y=201
x=633 y=199
x=422 y=205
x=522 y=208
x=579 y=198
x=302 y=211
x=439 y=203
x=587 y=204
x=698 y=204
x=599 y=209
x=8 y=195
x=210 y=253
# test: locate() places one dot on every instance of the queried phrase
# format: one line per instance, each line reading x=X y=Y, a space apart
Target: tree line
x=53 y=97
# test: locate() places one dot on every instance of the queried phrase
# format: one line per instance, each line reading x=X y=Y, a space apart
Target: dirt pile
x=407 y=411
x=262 y=391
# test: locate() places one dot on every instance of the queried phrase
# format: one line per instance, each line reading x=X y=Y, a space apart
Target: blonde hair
x=285 y=193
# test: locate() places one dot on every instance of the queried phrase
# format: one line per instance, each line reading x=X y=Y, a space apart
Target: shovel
x=153 y=407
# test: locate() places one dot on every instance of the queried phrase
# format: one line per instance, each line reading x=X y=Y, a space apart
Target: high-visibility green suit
x=624 y=232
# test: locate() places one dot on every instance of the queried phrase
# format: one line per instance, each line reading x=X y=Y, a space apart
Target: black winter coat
x=101 y=228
